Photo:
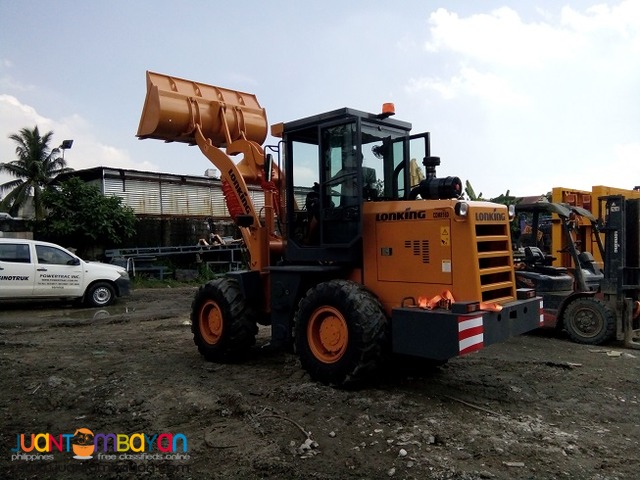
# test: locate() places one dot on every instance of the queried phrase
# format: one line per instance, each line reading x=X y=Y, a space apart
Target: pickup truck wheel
x=588 y=320
x=340 y=333
x=222 y=323
x=100 y=294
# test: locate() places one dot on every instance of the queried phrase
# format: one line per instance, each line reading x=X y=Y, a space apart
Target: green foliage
x=80 y=215
x=35 y=168
x=468 y=189
x=506 y=199
x=503 y=198
x=206 y=272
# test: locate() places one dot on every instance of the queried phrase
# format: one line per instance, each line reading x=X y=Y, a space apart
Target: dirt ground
x=536 y=407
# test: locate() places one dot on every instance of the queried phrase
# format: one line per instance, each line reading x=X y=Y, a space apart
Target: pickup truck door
x=17 y=271
x=58 y=274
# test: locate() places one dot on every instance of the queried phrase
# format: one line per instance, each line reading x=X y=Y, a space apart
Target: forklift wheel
x=221 y=322
x=590 y=321
x=340 y=331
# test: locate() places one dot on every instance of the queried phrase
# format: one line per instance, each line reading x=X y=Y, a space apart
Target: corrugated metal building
x=164 y=194
x=171 y=209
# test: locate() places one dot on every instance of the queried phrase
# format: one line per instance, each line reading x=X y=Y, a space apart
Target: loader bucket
x=174 y=106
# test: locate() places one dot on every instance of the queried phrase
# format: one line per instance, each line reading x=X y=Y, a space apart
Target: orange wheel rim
x=210 y=321
x=327 y=334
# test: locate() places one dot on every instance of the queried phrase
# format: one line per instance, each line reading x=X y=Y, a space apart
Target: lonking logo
x=490 y=217
x=239 y=191
x=406 y=215
x=85 y=445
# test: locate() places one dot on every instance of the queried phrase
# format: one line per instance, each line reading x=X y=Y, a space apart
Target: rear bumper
x=441 y=334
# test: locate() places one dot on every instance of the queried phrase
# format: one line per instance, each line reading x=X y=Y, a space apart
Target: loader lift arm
x=178 y=110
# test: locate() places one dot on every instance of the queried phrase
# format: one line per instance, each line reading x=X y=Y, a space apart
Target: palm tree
x=36 y=167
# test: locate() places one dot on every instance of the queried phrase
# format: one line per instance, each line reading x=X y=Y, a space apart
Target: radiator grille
x=497 y=283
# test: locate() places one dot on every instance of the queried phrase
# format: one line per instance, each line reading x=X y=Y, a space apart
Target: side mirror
x=268 y=166
x=74 y=261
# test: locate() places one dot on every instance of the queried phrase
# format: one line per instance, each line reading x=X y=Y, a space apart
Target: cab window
x=14 y=252
x=53 y=256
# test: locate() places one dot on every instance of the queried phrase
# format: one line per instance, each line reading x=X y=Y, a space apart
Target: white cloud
x=625 y=167
x=7 y=83
x=500 y=38
x=629 y=153
x=13 y=111
x=471 y=82
x=87 y=151
x=624 y=18
x=547 y=101
x=619 y=167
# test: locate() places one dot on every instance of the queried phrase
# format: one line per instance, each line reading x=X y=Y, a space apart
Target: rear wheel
x=588 y=320
x=222 y=323
x=340 y=331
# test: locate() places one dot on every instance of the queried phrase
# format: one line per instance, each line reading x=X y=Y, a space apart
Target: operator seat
x=541 y=262
x=535 y=256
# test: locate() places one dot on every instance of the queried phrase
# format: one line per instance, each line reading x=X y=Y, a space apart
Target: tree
x=80 y=216
x=503 y=198
x=35 y=168
x=468 y=189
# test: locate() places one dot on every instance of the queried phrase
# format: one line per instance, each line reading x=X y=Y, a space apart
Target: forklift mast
x=622 y=247
x=621 y=284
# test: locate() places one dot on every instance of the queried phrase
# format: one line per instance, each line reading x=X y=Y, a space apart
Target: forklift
x=592 y=304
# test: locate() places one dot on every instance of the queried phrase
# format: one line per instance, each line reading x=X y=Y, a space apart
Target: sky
x=518 y=96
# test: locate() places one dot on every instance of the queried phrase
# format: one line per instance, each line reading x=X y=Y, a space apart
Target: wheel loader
x=357 y=254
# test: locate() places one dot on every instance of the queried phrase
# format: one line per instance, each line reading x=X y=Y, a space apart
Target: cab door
x=17 y=270
x=58 y=273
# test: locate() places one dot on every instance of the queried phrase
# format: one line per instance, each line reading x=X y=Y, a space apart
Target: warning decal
x=445 y=239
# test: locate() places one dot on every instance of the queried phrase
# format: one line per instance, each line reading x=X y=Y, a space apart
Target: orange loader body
x=357 y=252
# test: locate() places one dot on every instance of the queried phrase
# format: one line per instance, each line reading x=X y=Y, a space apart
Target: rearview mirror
x=268 y=167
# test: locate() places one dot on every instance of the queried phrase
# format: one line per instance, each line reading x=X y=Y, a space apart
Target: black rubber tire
x=366 y=325
x=589 y=321
x=100 y=294
x=221 y=301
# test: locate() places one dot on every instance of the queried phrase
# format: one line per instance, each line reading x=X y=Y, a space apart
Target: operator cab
x=333 y=162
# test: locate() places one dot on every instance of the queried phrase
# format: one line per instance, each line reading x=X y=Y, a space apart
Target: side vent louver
x=420 y=248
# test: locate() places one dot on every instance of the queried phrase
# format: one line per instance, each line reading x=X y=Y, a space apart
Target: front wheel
x=222 y=323
x=340 y=333
x=100 y=294
x=588 y=320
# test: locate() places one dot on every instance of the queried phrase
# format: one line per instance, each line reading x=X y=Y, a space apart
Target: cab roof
x=346 y=113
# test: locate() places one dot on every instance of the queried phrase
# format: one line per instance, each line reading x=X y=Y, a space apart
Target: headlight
x=461 y=209
x=123 y=273
x=512 y=212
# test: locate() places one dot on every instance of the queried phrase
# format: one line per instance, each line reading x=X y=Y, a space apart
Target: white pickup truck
x=31 y=269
